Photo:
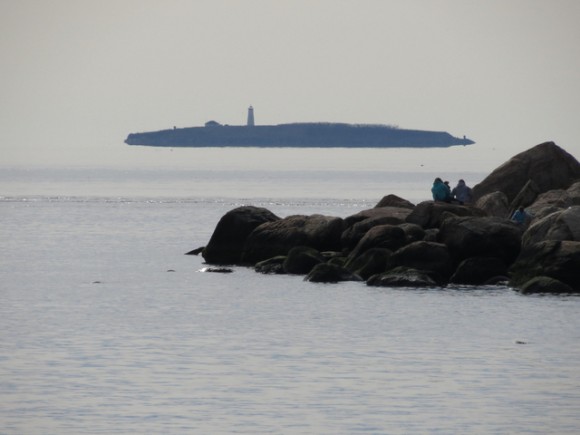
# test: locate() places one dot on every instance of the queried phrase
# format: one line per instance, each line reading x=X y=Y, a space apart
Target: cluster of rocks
x=431 y=244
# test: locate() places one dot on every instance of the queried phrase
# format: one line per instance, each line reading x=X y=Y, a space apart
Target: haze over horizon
x=78 y=75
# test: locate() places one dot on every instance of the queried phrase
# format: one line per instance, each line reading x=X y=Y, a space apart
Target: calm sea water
x=108 y=328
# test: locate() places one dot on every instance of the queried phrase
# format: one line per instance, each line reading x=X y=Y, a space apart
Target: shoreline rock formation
x=431 y=244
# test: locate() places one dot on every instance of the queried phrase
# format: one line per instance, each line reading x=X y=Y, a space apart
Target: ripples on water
x=98 y=337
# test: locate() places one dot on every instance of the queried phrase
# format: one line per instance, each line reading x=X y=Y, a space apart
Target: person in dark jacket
x=462 y=193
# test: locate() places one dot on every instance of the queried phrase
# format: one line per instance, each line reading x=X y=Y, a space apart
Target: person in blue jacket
x=440 y=191
x=520 y=216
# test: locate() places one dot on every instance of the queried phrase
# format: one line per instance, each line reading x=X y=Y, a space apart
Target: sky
x=79 y=75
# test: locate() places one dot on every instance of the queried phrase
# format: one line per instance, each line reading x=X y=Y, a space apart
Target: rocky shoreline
x=431 y=244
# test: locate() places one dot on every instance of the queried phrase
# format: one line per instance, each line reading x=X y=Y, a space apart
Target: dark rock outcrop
x=430 y=214
x=556 y=259
x=560 y=225
x=426 y=256
x=548 y=165
x=278 y=237
x=481 y=237
x=394 y=201
x=229 y=237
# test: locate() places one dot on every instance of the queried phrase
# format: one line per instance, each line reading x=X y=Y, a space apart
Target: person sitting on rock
x=439 y=191
x=520 y=216
x=462 y=193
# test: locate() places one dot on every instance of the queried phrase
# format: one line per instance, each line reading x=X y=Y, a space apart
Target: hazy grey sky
x=78 y=76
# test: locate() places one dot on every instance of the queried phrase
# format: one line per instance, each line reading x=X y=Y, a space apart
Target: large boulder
x=479 y=270
x=278 y=237
x=549 y=202
x=426 y=256
x=548 y=165
x=430 y=214
x=301 y=260
x=394 y=201
x=227 y=241
x=351 y=236
x=560 y=225
x=556 y=259
x=494 y=204
x=382 y=236
x=370 y=262
x=481 y=237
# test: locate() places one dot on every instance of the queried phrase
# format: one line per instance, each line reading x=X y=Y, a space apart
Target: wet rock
x=479 y=270
x=556 y=259
x=216 y=270
x=301 y=260
x=370 y=262
x=545 y=284
x=330 y=273
x=537 y=164
x=402 y=277
x=426 y=256
x=229 y=237
x=272 y=266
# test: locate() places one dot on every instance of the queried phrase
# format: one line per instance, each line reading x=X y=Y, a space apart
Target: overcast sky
x=78 y=76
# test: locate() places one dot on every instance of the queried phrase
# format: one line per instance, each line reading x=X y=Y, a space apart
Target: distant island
x=300 y=135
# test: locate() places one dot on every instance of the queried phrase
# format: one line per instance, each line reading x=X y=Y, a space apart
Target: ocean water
x=108 y=328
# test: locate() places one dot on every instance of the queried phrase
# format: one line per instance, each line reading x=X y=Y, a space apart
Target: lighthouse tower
x=250 y=116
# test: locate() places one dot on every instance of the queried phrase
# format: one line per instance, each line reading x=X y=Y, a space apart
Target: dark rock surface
x=545 y=284
x=481 y=237
x=559 y=260
x=382 y=236
x=560 y=225
x=301 y=260
x=330 y=273
x=548 y=165
x=478 y=270
x=494 y=204
x=394 y=201
x=431 y=214
x=278 y=237
x=229 y=237
x=426 y=256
